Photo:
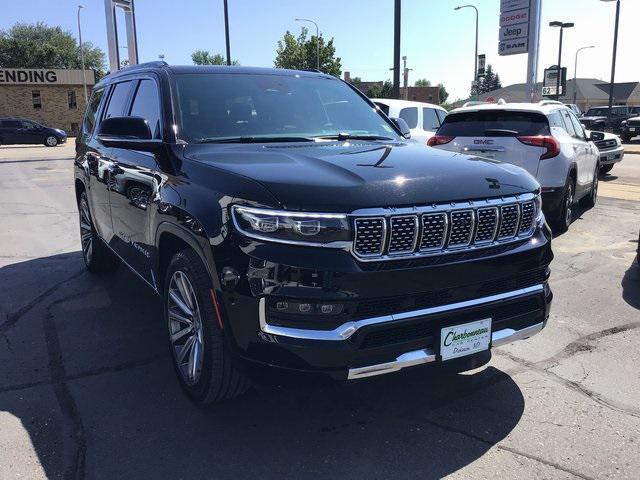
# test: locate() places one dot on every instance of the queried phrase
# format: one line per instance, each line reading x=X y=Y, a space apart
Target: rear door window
x=430 y=121
x=568 y=124
x=118 y=100
x=577 y=127
x=488 y=123
x=92 y=110
x=410 y=115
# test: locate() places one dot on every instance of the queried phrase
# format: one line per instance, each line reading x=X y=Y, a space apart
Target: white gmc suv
x=546 y=139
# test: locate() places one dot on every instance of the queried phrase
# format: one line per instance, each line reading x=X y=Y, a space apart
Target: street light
x=317 y=39
x=613 y=60
x=475 y=58
x=575 y=73
x=562 y=27
x=84 y=80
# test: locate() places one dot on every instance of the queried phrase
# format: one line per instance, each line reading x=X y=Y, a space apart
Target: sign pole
x=534 y=44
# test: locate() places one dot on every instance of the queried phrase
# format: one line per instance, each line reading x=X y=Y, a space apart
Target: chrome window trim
x=416 y=224
x=348 y=329
x=495 y=228
x=384 y=237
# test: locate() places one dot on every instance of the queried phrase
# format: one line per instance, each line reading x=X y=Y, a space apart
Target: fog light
x=304 y=307
x=326 y=308
x=282 y=306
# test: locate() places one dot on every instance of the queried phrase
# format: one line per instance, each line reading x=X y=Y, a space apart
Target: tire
x=201 y=359
x=626 y=139
x=50 y=141
x=564 y=216
x=97 y=256
x=590 y=200
x=606 y=168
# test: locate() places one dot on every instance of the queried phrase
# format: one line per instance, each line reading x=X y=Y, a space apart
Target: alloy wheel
x=86 y=232
x=51 y=141
x=569 y=205
x=185 y=328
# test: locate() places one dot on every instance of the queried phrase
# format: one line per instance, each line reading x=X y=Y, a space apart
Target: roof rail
x=156 y=64
x=549 y=102
x=473 y=103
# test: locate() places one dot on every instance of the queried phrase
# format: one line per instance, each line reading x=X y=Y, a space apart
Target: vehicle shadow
x=85 y=371
x=631 y=285
x=606 y=177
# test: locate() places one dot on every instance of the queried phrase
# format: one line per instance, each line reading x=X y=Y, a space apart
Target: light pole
x=613 y=60
x=559 y=71
x=575 y=73
x=84 y=80
x=226 y=32
x=475 y=57
x=317 y=39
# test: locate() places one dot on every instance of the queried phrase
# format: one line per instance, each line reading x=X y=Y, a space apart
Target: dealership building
x=51 y=97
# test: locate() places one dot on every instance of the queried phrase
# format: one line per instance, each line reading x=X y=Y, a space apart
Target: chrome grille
x=603 y=144
x=404 y=233
x=382 y=234
x=509 y=217
x=434 y=231
x=370 y=236
x=487 y=224
x=461 y=228
x=527 y=217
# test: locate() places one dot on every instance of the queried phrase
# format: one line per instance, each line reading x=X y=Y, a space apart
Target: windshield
x=597 y=112
x=228 y=106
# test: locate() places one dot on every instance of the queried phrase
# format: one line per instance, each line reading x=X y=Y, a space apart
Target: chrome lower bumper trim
x=346 y=330
x=419 y=357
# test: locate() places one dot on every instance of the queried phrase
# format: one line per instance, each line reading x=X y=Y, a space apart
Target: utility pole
x=226 y=31
x=613 y=59
x=396 y=49
x=575 y=74
x=559 y=71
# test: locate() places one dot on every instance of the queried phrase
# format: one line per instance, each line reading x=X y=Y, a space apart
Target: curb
x=631 y=149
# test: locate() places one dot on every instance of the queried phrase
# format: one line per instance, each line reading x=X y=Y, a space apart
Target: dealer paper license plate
x=465 y=339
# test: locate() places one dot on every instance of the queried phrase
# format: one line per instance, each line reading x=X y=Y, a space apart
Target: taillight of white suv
x=544 y=141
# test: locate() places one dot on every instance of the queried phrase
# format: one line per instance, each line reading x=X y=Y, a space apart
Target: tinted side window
x=383 y=107
x=568 y=125
x=555 y=120
x=146 y=104
x=11 y=124
x=90 y=115
x=441 y=115
x=430 y=120
x=410 y=115
x=118 y=100
x=577 y=127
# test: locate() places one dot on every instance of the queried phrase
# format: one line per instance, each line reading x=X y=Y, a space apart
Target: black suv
x=286 y=222
x=597 y=118
x=14 y=131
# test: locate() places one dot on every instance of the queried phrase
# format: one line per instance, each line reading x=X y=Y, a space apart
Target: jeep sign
x=516 y=31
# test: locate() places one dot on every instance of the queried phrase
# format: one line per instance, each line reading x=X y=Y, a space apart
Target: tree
x=422 y=82
x=490 y=81
x=356 y=80
x=381 y=91
x=204 y=57
x=41 y=46
x=300 y=53
x=443 y=93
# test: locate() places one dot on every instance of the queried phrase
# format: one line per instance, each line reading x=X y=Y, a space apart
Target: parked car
x=287 y=224
x=423 y=118
x=546 y=139
x=15 y=131
x=575 y=109
x=597 y=118
x=631 y=127
x=610 y=149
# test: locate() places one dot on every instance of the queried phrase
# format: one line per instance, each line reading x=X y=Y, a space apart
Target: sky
x=438 y=41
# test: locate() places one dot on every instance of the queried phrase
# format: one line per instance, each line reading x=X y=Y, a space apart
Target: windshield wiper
x=349 y=136
x=251 y=139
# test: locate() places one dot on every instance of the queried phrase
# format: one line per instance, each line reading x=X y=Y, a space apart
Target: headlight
x=317 y=229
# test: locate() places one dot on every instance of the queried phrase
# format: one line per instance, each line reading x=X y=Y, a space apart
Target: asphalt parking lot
x=87 y=388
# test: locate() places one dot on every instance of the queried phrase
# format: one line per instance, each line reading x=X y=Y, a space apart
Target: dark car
x=597 y=118
x=14 y=131
x=286 y=223
x=630 y=127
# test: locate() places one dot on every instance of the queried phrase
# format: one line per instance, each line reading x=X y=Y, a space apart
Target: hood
x=592 y=118
x=344 y=176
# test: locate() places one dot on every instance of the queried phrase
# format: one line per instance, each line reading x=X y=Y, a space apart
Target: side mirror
x=402 y=126
x=596 y=136
x=132 y=133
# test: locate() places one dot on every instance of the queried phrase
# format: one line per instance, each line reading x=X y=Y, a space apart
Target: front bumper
x=611 y=156
x=393 y=311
